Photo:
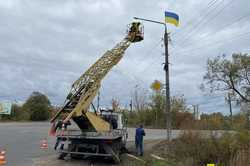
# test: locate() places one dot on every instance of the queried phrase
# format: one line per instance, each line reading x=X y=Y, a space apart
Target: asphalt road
x=22 y=141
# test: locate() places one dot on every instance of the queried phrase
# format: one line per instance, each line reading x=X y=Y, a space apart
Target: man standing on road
x=139 y=134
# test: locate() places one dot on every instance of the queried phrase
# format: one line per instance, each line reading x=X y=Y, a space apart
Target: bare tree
x=140 y=99
x=229 y=75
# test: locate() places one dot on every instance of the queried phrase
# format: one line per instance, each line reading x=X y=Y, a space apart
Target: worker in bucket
x=139 y=134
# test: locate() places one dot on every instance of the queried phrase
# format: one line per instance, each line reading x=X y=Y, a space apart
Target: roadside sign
x=156 y=85
x=5 y=108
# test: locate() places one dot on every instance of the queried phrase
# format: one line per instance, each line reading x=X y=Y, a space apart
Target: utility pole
x=196 y=112
x=194 y=107
x=131 y=105
x=166 y=68
x=229 y=99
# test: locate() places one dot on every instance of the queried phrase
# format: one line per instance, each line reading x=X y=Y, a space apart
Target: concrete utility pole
x=196 y=112
x=131 y=105
x=166 y=68
x=229 y=99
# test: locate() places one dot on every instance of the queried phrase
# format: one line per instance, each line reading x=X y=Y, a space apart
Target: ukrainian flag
x=171 y=18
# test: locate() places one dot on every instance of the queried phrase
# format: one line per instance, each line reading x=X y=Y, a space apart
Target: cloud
x=46 y=45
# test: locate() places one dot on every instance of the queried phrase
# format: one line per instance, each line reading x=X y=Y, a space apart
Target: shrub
x=215 y=149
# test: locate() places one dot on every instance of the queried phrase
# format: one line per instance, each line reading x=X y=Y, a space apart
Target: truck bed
x=78 y=134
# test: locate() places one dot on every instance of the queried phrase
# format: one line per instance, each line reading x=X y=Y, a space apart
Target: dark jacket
x=139 y=133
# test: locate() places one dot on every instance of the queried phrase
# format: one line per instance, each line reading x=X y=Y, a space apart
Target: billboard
x=5 y=108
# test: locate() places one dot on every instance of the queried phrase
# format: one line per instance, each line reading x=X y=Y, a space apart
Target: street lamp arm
x=143 y=19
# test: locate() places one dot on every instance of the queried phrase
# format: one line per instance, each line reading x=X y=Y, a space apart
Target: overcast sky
x=45 y=45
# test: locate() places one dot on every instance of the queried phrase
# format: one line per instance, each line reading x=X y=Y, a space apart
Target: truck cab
x=115 y=119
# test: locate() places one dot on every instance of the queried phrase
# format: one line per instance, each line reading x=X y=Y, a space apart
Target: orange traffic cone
x=2 y=157
x=44 y=144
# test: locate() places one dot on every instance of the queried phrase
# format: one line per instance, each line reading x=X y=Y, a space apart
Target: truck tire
x=113 y=152
x=62 y=156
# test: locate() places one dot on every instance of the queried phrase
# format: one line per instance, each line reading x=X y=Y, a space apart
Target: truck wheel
x=115 y=154
x=62 y=155
x=124 y=150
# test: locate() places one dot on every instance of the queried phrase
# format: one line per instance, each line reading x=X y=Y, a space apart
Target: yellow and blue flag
x=171 y=18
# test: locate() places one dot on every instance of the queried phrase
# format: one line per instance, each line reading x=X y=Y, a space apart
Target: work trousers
x=58 y=140
x=139 y=148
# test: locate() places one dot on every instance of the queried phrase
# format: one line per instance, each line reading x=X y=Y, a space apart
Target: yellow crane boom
x=85 y=88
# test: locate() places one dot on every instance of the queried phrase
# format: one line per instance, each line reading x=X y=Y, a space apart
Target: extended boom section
x=85 y=88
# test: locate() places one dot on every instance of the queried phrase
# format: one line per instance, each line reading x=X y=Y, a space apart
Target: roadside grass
x=149 y=161
x=191 y=148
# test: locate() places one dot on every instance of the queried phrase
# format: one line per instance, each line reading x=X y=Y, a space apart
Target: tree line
x=151 y=113
x=224 y=74
x=36 y=108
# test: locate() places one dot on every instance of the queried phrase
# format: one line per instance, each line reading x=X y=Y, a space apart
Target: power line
x=202 y=19
x=151 y=64
x=129 y=75
x=209 y=5
x=213 y=43
x=211 y=18
x=154 y=47
x=210 y=43
x=149 y=53
x=235 y=21
x=185 y=53
x=228 y=25
x=209 y=99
